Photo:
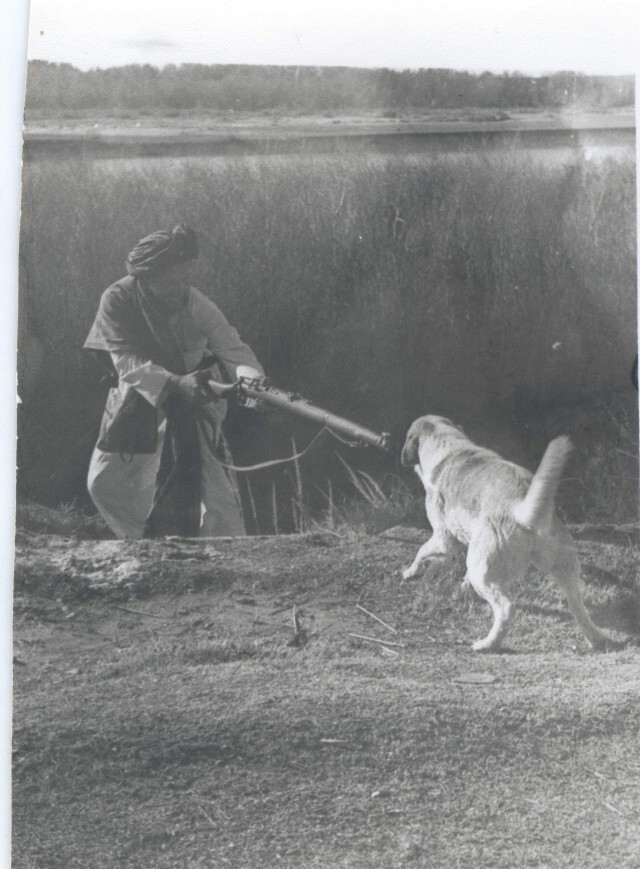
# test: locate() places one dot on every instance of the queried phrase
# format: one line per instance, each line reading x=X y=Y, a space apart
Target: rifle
x=247 y=390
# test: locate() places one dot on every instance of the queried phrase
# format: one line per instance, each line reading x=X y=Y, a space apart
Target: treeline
x=52 y=86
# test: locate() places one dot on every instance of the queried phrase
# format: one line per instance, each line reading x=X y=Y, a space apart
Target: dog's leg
x=566 y=571
x=485 y=578
x=434 y=548
x=437 y=546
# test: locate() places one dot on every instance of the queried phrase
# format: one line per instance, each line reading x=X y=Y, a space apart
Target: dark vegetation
x=310 y=90
x=492 y=288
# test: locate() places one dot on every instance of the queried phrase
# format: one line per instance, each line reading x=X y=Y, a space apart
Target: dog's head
x=423 y=428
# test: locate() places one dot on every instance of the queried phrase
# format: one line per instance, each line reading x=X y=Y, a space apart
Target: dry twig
x=136 y=612
x=613 y=809
x=374 y=640
x=376 y=618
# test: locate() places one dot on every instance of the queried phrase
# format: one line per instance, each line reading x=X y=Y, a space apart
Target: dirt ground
x=291 y=701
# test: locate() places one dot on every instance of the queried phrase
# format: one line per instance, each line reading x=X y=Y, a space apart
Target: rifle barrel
x=299 y=406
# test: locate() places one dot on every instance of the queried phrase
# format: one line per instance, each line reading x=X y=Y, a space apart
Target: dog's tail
x=535 y=511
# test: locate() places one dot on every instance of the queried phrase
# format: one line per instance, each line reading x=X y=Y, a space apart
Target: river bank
x=201 y=135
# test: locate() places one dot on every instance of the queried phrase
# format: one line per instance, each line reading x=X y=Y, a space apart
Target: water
x=548 y=147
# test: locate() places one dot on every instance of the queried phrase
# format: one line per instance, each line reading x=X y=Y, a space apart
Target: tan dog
x=502 y=513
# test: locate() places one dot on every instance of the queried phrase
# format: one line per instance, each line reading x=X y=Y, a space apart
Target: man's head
x=162 y=249
x=163 y=260
x=170 y=284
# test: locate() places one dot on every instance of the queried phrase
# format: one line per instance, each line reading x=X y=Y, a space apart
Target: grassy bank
x=488 y=287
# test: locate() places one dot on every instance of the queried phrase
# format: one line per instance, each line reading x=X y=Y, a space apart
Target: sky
x=591 y=36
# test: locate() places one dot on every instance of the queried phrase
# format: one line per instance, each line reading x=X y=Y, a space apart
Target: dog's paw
x=484 y=646
x=408 y=572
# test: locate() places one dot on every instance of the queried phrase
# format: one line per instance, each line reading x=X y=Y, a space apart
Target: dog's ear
x=451 y=423
x=409 y=455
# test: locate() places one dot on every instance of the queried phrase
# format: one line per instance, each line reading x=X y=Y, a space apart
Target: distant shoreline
x=201 y=135
x=275 y=125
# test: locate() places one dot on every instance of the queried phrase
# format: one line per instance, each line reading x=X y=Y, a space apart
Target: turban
x=161 y=249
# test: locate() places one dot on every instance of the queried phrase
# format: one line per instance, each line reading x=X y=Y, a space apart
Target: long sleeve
x=199 y=327
x=220 y=336
x=147 y=377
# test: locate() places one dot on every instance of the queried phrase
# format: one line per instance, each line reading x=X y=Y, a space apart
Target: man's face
x=170 y=285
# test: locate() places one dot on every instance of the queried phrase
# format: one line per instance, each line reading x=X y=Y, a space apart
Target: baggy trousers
x=122 y=488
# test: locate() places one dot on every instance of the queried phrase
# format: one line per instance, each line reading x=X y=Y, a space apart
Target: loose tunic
x=123 y=482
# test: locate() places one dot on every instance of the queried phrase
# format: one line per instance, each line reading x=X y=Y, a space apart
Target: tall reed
x=474 y=285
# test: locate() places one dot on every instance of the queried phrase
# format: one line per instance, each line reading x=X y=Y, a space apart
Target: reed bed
x=490 y=287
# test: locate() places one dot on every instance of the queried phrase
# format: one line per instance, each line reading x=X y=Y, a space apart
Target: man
x=154 y=470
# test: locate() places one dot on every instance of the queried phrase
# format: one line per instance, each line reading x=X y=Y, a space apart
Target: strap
x=273 y=462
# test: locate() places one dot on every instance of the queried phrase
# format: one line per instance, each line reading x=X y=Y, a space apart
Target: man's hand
x=192 y=387
x=249 y=372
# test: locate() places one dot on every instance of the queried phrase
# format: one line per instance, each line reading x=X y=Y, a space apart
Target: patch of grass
x=67 y=520
x=219 y=652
